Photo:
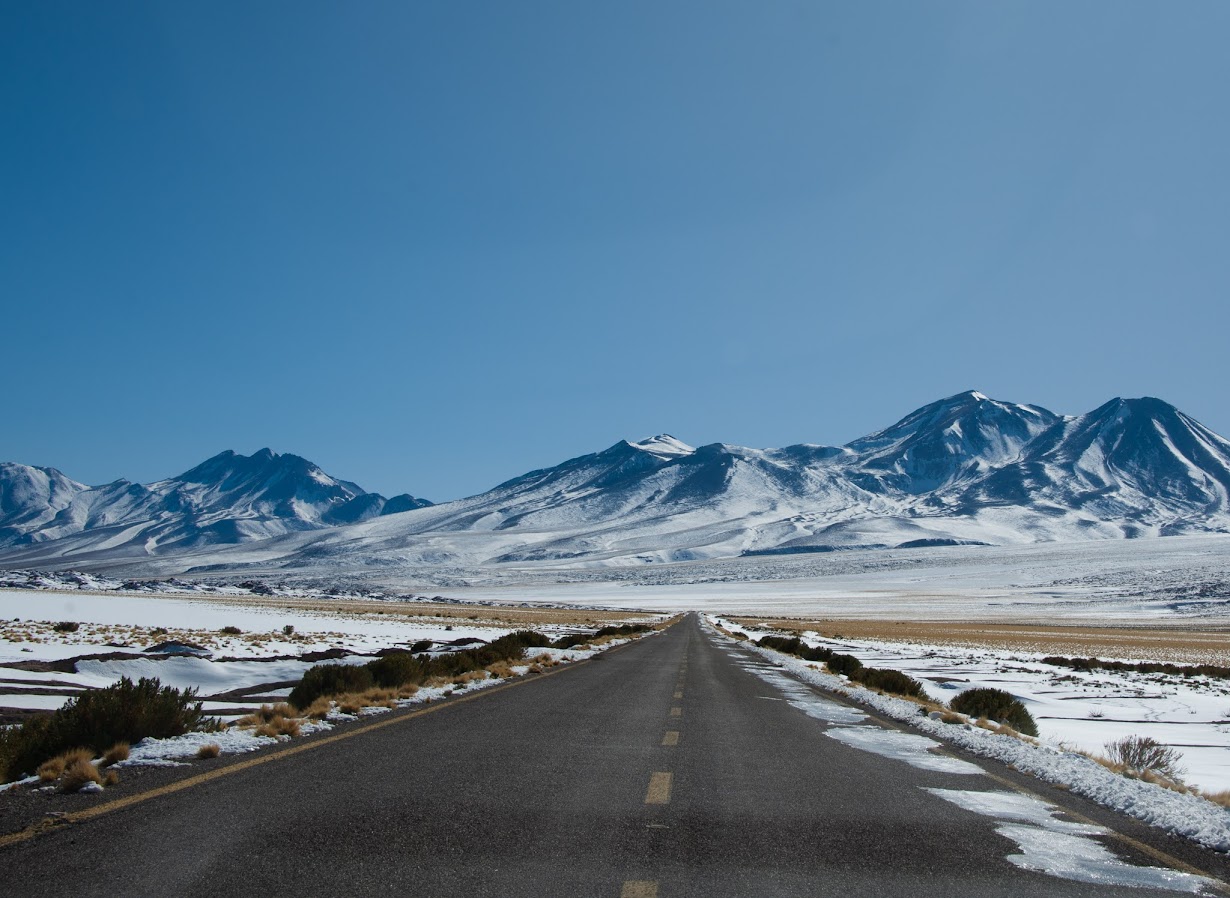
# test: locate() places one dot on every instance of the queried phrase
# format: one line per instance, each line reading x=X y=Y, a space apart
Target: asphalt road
x=670 y=767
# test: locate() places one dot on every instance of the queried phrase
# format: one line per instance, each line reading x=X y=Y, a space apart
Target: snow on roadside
x=1185 y=815
x=174 y=751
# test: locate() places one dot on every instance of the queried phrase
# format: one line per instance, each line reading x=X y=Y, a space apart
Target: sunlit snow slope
x=965 y=470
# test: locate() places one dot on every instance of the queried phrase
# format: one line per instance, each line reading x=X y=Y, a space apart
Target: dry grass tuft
x=469 y=677
x=279 y=726
x=1222 y=798
x=212 y=750
x=501 y=670
x=53 y=768
x=272 y=720
x=318 y=709
x=78 y=773
x=115 y=754
x=354 y=702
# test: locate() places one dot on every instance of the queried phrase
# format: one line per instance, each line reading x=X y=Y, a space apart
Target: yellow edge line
x=48 y=824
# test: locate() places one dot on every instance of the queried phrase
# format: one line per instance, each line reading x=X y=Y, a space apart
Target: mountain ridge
x=963 y=470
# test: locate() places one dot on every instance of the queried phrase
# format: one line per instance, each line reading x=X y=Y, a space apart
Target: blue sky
x=433 y=245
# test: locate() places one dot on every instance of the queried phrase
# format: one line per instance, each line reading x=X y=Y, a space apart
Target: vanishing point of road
x=668 y=767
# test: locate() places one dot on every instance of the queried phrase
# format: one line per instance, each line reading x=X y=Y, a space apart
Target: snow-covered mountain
x=966 y=469
x=227 y=499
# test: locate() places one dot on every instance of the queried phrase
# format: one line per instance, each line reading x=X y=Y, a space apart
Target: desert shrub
x=288 y=630
x=1145 y=754
x=844 y=664
x=1147 y=667
x=399 y=670
x=575 y=639
x=330 y=679
x=422 y=645
x=890 y=681
x=396 y=669
x=67 y=626
x=998 y=705
x=789 y=645
x=794 y=646
x=210 y=750
x=98 y=719
x=231 y=631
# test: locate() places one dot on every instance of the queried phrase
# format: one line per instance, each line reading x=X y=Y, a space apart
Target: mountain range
x=964 y=470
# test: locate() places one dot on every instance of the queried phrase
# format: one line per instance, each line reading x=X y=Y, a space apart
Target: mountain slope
x=227 y=499
x=965 y=469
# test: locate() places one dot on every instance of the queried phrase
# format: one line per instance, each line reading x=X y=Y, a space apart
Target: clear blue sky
x=433 y=245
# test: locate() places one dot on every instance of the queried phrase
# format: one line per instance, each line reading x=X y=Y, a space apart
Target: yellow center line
x=639 y=888
x=676 y=712
x=49 y=824
x=659 y=789
x=671 y=737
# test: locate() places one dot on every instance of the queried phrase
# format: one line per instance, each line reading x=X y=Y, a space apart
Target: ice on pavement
x=914 y=750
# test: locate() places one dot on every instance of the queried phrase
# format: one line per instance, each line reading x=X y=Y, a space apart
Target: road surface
x=679 y=765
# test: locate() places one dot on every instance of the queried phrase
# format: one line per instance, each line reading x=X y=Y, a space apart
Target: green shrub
x=330 y=679
x=231 y=631
x=794 y=646
x=998 y=705
x=889 y=681
x=397 y=669
x=844 y=664
x=67 y=626
x=98 y=719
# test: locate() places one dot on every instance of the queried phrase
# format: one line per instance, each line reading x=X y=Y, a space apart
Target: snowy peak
x=229 y=498
x=964 y=470
x=664 y=446
x=1144 y=444
x=31 y=496
x=954 y=439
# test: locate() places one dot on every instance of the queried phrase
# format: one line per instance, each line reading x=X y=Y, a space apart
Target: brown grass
x=470 y=676
x=78 y=773
x=272 y=720
x=53 y=768
x=1222 y=798
x=318 y=709
x=115 y=754
x=354 y=702
x=212 y=750
x=279 y=726
x=502 y=670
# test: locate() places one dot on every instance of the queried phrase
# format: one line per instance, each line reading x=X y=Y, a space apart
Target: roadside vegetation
x=77 y=744
x=1135 y=757
x=100 y=722
x=1215 y=671
x=391 y=675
